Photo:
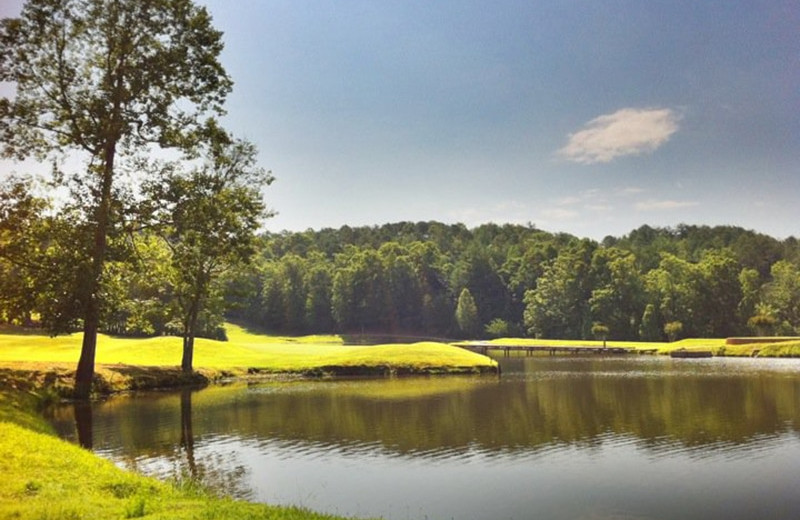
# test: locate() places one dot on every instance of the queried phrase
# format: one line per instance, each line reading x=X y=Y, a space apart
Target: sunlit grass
x=244 y=349
x=660 y=347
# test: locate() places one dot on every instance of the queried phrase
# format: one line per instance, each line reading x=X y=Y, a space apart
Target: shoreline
x=48 y=477
x=55 y=381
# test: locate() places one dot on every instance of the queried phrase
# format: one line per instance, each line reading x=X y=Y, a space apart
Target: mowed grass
x=244 y=350
x=780 y=348
x=661 y=347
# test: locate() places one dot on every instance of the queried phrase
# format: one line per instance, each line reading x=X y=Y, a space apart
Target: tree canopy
x=107 y=80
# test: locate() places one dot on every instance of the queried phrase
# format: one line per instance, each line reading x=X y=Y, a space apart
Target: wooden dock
x=529 y=350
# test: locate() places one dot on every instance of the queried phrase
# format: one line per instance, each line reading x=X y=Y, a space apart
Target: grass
x=760 y=347
x=777 y=349
x=660 y=347
x=248 y=351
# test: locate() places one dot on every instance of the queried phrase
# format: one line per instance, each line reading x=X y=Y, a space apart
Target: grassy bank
x=759 y=347
x=660 y=347
x=254 y=352
x=45 y=478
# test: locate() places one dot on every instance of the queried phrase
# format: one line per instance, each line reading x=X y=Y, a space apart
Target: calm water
x=554 y=438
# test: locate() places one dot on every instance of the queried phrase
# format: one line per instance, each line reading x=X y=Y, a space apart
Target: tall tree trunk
x=189 y=332
x=91 y=317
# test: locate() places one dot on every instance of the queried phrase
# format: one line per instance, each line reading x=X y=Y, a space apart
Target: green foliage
x=600 y=331
x=673 y=330
x=618 y=296
x=105 y=80
x=208 y=218
x=649 y=329
x=498 y=328
x=405 y=279
x=558 y=306
x=467 y=314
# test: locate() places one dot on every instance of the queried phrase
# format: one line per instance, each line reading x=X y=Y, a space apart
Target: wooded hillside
x=429 y=279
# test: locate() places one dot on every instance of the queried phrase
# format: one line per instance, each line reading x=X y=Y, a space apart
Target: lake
x=635 y=437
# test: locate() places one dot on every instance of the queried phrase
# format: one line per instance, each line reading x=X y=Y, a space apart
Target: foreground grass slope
x=245 y=350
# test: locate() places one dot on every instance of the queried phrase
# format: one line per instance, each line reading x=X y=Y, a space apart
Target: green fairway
x=246 y=350
x=661 y=347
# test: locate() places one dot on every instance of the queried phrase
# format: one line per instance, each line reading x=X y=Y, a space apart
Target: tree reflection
x=217 y=472
x=187 y=436
x=83 y=423
x=577 y=402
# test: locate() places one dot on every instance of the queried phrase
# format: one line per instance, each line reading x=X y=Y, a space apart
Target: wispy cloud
x=664 y=205
x=628 y=131
x=630 y=190
x=559 y=214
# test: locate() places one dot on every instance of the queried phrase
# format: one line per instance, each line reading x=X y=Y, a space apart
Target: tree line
x=437 y=280
x=413 y=280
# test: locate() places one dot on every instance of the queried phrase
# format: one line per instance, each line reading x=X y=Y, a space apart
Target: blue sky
x=580 y=116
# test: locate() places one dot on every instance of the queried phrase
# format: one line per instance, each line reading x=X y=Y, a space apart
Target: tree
x=292 y=274
x=649 y=329
x=763 y=322
x=673 y=329
x=405 y=298
x=558 y=307
x=750 y=284
x=783 y=294
x=497 y=328
x=318 y=300
x=106 y=78
x=674 y=290
x=208 y=217
x=719 y=294
x=43 y=264
x=467 y=314
x=359 y=293
x=475 y=270
x=618 y=295
x=600 y=332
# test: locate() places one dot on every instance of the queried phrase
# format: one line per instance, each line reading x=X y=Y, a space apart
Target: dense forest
x=429 y=279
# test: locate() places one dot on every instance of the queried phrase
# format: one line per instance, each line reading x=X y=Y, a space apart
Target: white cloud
x=663 y=205
x=628 y=131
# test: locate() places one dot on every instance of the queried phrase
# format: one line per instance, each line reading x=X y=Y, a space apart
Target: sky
x=591 y=118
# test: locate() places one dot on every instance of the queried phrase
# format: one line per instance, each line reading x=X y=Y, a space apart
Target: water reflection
x=187 y=435
x=565 y=421
x=584 y=402
x=83 y=423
